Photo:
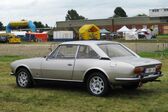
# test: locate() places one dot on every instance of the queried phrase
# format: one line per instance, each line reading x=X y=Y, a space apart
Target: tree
x=1 y=26
x=39 y=24
x=46 y=26
x=119 y=12
x=73 y=15
x=141 y=14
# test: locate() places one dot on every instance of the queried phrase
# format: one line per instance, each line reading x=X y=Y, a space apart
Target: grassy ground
x=152 y=97
x=162 y=36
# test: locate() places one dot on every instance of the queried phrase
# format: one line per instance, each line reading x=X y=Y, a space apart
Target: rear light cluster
x=140 y=70
x=158 y=67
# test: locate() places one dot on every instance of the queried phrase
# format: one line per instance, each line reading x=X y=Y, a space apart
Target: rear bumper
x=140 y=79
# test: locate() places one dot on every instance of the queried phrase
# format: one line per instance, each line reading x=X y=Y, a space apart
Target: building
x=157 y=19
x=163 y=12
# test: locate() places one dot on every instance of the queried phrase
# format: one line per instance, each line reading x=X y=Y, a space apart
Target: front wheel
x=97 y=84
x=23 y=78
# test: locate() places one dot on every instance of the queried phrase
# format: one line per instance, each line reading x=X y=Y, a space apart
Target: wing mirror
x=50 y=49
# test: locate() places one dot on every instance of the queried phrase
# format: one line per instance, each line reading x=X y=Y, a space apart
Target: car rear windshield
x=115 y=50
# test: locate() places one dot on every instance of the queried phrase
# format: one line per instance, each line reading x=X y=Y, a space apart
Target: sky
x=50 y=11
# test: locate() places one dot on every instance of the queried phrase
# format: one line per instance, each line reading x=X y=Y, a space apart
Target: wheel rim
x=23 y=79
x=96 y=85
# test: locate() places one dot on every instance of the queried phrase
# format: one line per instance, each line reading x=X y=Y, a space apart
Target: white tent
x=134 y=29
x=144 y=30
x=104 y=31
x=124 y=29
x=131 y=35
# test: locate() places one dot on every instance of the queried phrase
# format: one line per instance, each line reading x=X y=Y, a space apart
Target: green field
x=152 y=97
x=162 y=36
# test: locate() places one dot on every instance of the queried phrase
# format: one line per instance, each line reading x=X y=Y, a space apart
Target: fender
x=95 y=68
x=23 y=65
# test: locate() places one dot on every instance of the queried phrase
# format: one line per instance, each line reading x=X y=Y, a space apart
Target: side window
x=85 y=52
x=66 y=52
x=54 y=53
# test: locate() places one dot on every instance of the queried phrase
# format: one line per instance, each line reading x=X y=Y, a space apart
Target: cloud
x=16 y=4
x=50 y=11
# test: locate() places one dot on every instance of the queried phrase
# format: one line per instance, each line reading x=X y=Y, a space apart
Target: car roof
x=93 y=44
x=90 y=42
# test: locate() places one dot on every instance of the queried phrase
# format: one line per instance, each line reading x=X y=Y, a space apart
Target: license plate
x=150 y=70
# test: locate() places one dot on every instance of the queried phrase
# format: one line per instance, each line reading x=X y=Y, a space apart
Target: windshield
x=115 y=50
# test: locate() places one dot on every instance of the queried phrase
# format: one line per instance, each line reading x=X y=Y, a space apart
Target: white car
x=98 y=64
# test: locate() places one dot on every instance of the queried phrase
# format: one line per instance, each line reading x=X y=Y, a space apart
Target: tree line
x=118 y=12
x=73 y=15
x=38 y=24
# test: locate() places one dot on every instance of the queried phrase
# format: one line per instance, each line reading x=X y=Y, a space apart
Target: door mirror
x=50 y=49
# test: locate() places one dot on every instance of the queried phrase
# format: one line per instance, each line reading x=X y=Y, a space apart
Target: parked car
x=98 y=64
x=114 y=34
x=3 y=39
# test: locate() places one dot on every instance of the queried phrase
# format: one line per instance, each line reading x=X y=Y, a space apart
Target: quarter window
x=85 y=52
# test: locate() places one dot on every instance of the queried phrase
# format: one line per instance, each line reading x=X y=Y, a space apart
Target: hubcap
x=96 y=85
x=23 y=79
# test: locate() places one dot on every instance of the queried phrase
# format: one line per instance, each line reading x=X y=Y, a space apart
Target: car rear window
x=115 y=50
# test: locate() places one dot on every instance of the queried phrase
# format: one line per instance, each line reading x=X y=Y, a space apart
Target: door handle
x=69 y=64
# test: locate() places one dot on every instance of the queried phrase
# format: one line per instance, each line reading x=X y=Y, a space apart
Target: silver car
x=98 y=64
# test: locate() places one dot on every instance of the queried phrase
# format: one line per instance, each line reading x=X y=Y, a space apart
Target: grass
x=156 y=54
x=70 y=97
x=162 y=36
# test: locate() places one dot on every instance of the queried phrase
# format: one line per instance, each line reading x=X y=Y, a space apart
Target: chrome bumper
x=140 y=79
x=11 y=73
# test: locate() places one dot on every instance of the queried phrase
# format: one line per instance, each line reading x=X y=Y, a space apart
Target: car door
x=86 y=58
x=59 y=65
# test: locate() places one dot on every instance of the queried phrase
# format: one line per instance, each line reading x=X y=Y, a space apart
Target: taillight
x=138 y=70
x=158 y=67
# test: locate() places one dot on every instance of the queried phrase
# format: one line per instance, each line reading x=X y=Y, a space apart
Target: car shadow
x=120 y=92
x=59 y=85
x=81 y=88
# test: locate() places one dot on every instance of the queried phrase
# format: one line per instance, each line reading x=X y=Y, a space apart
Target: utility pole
x=112 y=23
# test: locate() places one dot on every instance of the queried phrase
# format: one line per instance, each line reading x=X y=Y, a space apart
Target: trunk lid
x=137 y=61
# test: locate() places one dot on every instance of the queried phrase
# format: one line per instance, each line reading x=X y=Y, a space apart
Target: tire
x=97 y=84
x=130 y=87
x=24 y=78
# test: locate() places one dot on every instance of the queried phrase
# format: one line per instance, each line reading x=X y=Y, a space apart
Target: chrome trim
x=77 y=50
x=127 y=79
x=58 y=79
x=11 y=73
x=138 y=78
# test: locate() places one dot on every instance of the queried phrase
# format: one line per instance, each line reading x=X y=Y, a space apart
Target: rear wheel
x=24 y=78
x=97 y=84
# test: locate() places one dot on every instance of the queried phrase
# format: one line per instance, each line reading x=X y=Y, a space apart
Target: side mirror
x=50 y=49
